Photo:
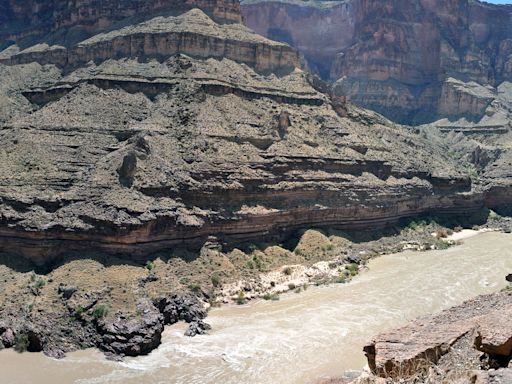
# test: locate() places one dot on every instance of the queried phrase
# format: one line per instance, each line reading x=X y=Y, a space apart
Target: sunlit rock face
x=132 y=127
x=394 y=56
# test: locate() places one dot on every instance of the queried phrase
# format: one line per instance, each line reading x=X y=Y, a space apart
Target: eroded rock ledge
x=478 y=330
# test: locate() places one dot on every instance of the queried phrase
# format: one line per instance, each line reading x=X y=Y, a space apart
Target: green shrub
x=271 y=296
x=241 y=300
x=413 y=225
x=194 y=287
x=476 y=228
x=39 y=283
x=328 y=247
x=215 y=280
x=458 y=228
x=287 y=271
x=21 y=342
x=100 y=311
x=342 y=279
x=441 y=244
x=150 y=265
x=353 y=269
x=291 y=286
x=252 y=248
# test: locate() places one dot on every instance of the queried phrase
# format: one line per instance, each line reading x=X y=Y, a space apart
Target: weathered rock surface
x=407 y=351
x=398 y=57
x=192 y=33
x=67 y=22
x=137 y=142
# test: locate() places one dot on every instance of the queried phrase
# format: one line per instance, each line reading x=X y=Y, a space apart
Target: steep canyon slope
x=173 y=122
x=398 y=57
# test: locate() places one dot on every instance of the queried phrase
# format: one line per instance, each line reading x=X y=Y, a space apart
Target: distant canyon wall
x=394 y=56
x=25 y=22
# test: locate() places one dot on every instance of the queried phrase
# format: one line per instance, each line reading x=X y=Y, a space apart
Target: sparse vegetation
x=287 y=271
x=342 y=279
x=458 y=229
x=21 y=342
x=39 y=283
x=241 y=300
x=271 y=296
x=194 y=287
x=150 y=265
x=215 y=280
x=100 y=311
x=442 y=244
x=291 y=286
x=353 y=269
x=328 y=247
x=476 y=228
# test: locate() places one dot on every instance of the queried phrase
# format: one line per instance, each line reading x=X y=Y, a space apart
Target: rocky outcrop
x=319 y=30
x=165 y=131
x=26 y=22
x=482 y=323
x=192 y=33
x=396 y=56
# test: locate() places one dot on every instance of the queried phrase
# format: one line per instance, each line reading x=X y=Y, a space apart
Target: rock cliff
x=396 y=56
x=470 y=343
x=27 y=22
x=171 y=127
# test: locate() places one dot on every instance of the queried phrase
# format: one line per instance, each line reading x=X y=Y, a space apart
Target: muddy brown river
x=299 y=339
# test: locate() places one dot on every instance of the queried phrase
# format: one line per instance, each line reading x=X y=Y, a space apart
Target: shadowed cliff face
x=394 y=56
x=66 y=22
x=318 y=32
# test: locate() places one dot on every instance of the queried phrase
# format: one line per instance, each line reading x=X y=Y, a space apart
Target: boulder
x=407 y=350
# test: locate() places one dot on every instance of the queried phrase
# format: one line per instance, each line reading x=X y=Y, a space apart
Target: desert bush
x=150 y=265
x=241 y=300
x=21 y=342
x=352 y=268
x=100 y=311
x=194 y=287
x=215 y=280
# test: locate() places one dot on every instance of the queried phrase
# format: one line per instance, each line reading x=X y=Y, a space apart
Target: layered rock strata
x=397 y=57
x=68 y=22
x=173 y=129
x=479 y=328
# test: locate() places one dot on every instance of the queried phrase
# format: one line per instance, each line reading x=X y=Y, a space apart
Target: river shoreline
x=122 y=308
x=256 y=338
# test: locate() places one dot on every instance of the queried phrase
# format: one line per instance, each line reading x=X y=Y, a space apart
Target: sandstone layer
x=478 y=331
x=396 y=56
x=171 y=129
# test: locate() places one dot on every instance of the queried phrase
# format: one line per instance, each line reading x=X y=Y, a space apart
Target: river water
x=299 y=339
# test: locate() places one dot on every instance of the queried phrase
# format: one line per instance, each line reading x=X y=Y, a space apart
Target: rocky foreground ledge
x=469 y=343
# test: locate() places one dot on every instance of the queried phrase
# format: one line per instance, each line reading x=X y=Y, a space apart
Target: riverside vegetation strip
x=121 y=308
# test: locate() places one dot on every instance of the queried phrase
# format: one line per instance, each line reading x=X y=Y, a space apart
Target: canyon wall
x=394 y=56
x=27 y=22
x=168 y=128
